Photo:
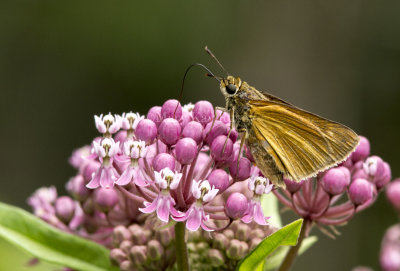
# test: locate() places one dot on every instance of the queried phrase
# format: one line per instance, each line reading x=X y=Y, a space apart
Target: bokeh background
x=61 y=62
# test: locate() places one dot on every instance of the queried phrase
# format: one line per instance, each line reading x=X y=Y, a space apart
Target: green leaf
x=286 y=236
x=49 y=244
x=276 y=258
x=269 y=204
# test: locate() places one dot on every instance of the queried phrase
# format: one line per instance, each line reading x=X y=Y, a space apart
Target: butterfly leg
x=215 y=117
x=231 y=125
x=243 y=139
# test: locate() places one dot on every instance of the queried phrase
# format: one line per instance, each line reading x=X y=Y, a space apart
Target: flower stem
x=181 y=249
x=293 y=251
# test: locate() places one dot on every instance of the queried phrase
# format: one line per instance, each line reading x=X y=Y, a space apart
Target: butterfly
x=284 y=140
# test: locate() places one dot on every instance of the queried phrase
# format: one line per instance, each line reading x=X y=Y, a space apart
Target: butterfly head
x=230 y=85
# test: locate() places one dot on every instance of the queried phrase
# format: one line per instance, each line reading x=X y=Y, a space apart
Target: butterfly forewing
x=301 y=144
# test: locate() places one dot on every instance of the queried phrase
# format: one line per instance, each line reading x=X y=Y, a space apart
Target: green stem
x=293 y=251
x=181 y=249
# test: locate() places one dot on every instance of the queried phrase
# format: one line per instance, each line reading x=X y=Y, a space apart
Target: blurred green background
x=61 y=62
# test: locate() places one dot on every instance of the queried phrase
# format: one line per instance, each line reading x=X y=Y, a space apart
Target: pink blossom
x=164 y=203
x=129 y=121
x=106 y=175
x=259 y=186
x=195 y=215
x=108 y=123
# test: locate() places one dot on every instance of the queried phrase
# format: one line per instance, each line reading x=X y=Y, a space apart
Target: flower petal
x=194 y=220
x=95 y=181
x=126 y=176
x=150 y=207
x=258 y=214
x=163 y=209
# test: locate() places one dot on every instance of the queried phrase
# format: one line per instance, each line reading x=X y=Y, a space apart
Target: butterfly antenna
x=215 y=58
x=209 y=74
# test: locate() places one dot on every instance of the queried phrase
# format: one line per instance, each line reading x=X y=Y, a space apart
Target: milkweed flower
x=196 y=216
x=164 y=203
x=259 y=186
x=106 y=175
x=133 y=150
x=108 y=124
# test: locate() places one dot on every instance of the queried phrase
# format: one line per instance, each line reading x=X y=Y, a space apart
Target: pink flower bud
x=336 y=180
x=381 y=181
x=194 y=130
x=77 y=157
x=164 y=160
x=233 y=135
x=219 y=128
x=203 y=112
x=221 y=148
x=170 y=131
x=293 y=186
x=77 y=187
x=105 y=198
x=65 y=208
x=390 y=257
x=347 y=163
x=393 y=193
x=90 y=167
x=220 y=179
x=359 y=174
x=185 y=150
x=244 y=169
x=146 y=130
x=224 y=117
x=154 y=114
x=120 y=136
x=248 y=154
x=171 y=109
x=373 y=166
x=362 y=150
x=360 y=191
x=236 y=205
x=186 y=118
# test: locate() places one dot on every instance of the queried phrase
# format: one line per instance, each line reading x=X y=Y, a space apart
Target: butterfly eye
x=231 y=89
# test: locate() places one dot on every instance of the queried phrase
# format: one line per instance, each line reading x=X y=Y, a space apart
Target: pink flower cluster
x=361 y=177
x=178 y=162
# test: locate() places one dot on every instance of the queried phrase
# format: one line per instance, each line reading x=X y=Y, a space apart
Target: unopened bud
x=220 y=241
x=164 y=236
x=216 y=257
x=126 y=266
x=126 y=246
x=254 y=242
x=105 y=198
x=154 y=250
x=65 y=208
x=138 y=255
x=360 y=191
x=257 y=233
x=117 y=256
x=120 y=233
x=242 y=232
x=234 y=249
